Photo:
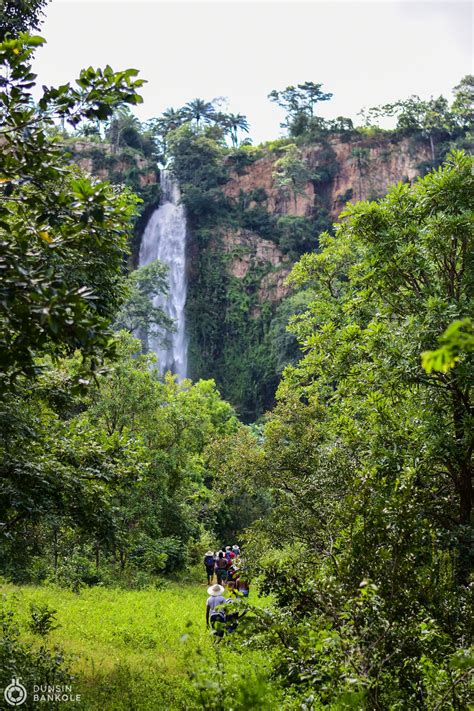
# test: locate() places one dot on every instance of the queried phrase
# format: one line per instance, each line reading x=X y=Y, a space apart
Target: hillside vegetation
x=351 y=498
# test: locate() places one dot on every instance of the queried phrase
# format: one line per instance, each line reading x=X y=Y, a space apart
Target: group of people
x=227 y=566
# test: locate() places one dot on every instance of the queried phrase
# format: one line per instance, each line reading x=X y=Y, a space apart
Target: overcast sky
x=366 y=53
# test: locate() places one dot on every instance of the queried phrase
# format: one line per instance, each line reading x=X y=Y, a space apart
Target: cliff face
x=100 y=160
x=368 y=169
x=126 y=166
x=365 y=169
x=362 y=169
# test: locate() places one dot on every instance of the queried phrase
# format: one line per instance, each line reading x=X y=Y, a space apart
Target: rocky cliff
x=361 y=169
x=125 y=167
x=102 y=161
x=250 y=229
x=366 y=168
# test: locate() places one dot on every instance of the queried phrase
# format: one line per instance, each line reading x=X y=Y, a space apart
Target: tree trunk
x=464 y=465
x=465 y=494
x=55 y=548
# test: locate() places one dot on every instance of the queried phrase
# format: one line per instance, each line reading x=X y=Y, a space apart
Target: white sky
x=366 y=53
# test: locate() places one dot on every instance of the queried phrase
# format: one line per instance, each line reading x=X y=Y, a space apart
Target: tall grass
x=146 y=650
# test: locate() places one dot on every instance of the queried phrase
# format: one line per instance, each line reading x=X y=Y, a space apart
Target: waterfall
x=164 y=238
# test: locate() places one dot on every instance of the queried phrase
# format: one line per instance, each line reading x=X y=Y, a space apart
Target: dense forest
x=329 y=432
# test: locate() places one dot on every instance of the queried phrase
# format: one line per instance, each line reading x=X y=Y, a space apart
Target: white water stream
x=164 y=238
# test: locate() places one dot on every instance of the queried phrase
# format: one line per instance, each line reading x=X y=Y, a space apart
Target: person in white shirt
x=214 y=611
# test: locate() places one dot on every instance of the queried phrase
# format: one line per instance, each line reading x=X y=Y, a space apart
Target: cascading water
x=165 y=239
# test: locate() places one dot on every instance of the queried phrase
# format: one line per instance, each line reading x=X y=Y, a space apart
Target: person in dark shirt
x=221 y=568
x=209 y=564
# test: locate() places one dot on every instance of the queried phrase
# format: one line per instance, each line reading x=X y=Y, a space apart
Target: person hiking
x=241 y=584
x=229 y=554
x=232 y=612
x=236 y=550
x=215 y=613
x=221 y=567
x=209 y=564
x=232 y=573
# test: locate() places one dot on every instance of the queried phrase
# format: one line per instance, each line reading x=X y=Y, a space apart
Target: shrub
x=30 y=666
x=42 y=620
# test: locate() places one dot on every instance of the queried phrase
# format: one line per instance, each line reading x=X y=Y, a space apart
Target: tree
x=419 y=265
x=292 y=173
x=463 y=104
x=299 y=103
x=63 y=235
x=367 y=459
x=197 y=161
x=431 y=117
x=18 y=16
x=123 y=128
x=300 y=99
x=115 y=474
x=138 y=314
x=171 y=119
x=199 y=111
x=233 y=123
x=434 y=119
x=361 y=158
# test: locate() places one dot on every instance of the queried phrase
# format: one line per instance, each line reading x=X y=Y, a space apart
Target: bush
x=32 y=667
x=76 y=571
x=42 y=620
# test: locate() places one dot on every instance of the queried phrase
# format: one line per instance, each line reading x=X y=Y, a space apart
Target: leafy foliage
x=442 y=125
x=367 y=460
x=63 y=236
x=456 y=341
x=114 y=478
x=18 y=16
x=138 y=313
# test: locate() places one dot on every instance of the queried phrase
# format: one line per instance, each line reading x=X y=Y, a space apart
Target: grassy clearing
x=147 y=649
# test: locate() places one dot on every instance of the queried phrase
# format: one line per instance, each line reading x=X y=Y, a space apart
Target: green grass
x=147 y=649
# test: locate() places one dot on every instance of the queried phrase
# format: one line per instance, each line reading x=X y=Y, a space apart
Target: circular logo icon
x=15 y=693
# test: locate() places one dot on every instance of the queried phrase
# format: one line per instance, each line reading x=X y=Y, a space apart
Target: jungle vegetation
x=352 y=497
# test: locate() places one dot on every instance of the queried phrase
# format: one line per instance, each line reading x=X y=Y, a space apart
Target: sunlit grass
x=129 y=645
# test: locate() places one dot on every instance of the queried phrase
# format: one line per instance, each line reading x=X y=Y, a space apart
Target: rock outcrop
x=100 y=160
x=359 y=169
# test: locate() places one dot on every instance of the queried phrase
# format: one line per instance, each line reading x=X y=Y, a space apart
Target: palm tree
x=171 y=119
x=121 y=121
x=236 y=123
x=198 y=110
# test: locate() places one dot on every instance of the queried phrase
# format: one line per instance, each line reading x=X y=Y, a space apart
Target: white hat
x=235 y=548
x=215 y=590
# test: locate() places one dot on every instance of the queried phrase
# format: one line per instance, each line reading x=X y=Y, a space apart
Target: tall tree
x=63 y=235
x=299 y=103
x=292 y=172
x=138 y=313
x=233 y=123
x=463 y=104
x=200 y=111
